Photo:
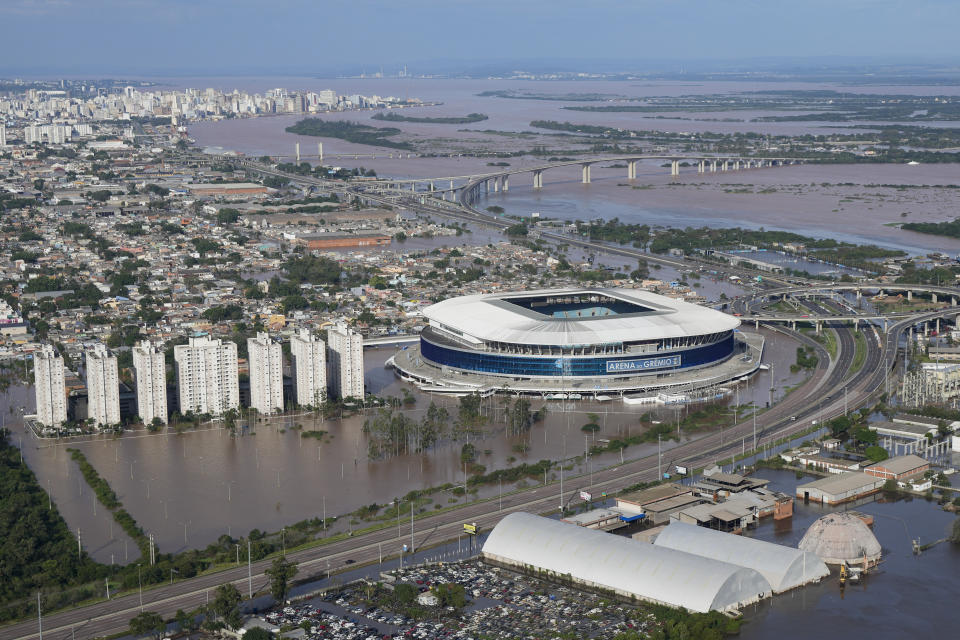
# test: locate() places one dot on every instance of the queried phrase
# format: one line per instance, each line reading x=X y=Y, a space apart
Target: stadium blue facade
x=523 y=366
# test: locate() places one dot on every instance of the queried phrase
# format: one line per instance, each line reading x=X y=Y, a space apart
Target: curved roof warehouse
x=784 y=567
x=629 y=568
x=592 y=332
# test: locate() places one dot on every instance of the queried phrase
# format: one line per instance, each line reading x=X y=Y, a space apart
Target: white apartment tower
x=309 y=357
x=345 y=362
x=103 y=387
x=207 y=380
x=266 y=374
x=49 y=386
x=3 y=135
x=151 y=374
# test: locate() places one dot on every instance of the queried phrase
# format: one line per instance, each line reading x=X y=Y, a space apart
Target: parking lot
x=497 y=604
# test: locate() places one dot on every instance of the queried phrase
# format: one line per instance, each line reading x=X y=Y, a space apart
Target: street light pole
x=140 y=588
x=249 y=572
x=659 y=474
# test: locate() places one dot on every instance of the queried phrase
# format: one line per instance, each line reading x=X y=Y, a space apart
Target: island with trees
x=467 y=119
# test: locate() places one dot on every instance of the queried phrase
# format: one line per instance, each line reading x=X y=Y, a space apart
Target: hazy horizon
x=292 y=37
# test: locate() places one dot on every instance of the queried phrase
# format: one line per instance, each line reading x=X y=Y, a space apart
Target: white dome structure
x=840 y=538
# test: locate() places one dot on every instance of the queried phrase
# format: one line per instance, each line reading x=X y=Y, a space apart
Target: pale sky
x=243 y=37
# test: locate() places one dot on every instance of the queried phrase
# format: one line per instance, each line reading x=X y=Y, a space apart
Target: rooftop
x=901 y=464
x=585 y=317
x=840 y=483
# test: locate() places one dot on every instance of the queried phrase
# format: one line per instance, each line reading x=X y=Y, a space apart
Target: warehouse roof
x=783 y=567
x=840 y=483
x=901 y=464
x=624 y=315
x=656 y=574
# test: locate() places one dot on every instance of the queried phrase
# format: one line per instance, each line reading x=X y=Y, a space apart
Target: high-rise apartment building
x=151 y=378
x=309 y=356
x=3 y=135
x=266 y=374
x=103 y=387
x=345 y=362
x=49 y=387
x=207 y=380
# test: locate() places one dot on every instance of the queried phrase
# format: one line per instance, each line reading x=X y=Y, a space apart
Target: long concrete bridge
x=469 y=188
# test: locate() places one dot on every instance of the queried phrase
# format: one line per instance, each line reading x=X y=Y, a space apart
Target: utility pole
x=659 y=474
x=249 y=572
x=39 y=616
x=411 y=528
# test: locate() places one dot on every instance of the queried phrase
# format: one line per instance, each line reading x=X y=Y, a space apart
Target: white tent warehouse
x=784 y=567
x=629 y=568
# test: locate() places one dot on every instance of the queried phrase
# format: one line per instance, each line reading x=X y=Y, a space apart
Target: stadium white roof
x=489 y=317
x=784 y=567
x=631 y=568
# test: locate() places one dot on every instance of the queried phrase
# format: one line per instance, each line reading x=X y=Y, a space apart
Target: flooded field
x=188 y=489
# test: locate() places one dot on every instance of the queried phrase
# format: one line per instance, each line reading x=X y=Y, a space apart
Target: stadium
x=584 y=339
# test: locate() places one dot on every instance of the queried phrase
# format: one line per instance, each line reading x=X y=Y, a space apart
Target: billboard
x=681 y=470
x=585 y=496
x=642 y=364
x=470 y=528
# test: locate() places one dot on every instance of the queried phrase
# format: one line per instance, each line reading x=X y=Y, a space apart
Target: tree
x=147 y=622
x=876 y=454
x=184 y=620
x=258 y=633
x=280 y=574
x=452 y=595
x=226 y=604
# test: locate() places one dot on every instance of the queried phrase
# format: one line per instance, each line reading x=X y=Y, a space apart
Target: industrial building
x=836 y=489
x=631 y=569
x=658 y=503
x=342 y=240
x=784 y=568
x=898 y=468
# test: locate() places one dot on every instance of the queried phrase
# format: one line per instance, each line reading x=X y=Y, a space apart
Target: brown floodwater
x=189 y=489
x=793 y=198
